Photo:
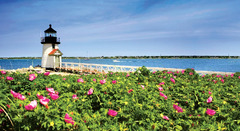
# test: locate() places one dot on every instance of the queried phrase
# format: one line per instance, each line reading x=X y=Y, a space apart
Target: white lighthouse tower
x=51 y=55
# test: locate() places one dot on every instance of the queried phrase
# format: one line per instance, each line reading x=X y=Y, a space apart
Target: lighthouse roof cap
x=50 y=30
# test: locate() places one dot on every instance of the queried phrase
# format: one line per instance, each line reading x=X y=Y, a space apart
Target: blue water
x=224 y=65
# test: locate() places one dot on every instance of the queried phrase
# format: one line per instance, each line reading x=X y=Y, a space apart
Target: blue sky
x=122 y=27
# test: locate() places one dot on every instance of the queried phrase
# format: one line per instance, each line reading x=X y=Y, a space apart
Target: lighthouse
x=51 y=55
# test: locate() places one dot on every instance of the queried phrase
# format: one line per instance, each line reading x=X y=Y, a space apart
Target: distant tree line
x=156 y=57
x=137 y=57
x=20 y=57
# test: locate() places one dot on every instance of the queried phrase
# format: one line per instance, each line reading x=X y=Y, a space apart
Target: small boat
x=116 y=61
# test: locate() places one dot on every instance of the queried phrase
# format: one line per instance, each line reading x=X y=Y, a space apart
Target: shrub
x=180 y=105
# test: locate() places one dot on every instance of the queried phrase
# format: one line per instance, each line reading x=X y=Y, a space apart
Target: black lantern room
x=50 y=36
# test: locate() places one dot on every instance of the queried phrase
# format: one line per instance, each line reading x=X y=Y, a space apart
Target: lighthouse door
x=57 y=61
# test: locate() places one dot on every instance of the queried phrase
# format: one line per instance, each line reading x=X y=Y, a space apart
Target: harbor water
x=222 y=65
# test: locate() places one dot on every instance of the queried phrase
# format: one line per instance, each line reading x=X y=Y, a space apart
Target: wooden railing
x=100 y=68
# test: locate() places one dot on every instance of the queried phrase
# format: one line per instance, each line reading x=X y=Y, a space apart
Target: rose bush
x=141 y=100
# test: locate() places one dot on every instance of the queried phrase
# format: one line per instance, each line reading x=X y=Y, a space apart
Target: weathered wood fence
x=100 y=68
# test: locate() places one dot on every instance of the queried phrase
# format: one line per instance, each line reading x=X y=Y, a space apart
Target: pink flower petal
x=112 y=113
x=31 y=106
x=161 y=94
x=176 y=107
x=3 y=72
x=209 y=100
x=210 y=112
x=44 y=101
x=165 y=117
x=90 y=92
x=50 y=90
x=74 y=96
x=102 y=81
x=9 y=78
x=130 y=90
x=68 y=119
x=80 y=80
x=32 y=77
x=54 y=96
x=172 y=80
x=47 y=73
x=160 y=88
x=114 y=82
x=17 y=95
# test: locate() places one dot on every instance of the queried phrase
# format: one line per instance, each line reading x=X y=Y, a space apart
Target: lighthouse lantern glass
x=50 y=35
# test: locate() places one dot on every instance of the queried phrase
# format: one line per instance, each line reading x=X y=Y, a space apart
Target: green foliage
x=237 y=74
x=141 y=109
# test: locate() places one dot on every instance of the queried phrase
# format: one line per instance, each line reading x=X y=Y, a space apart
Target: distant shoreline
x=136 y=57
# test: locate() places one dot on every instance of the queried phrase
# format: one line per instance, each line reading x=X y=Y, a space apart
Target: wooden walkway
x=103 y=69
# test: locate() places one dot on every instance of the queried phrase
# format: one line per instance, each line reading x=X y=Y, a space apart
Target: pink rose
x=172 y=80
x=209 y=100
x=44 y=101
x=53 y=96
x=46 y=73
x=165 y=117
x=210 y=112
x=179 y=109
x=90 y=92
x=68 y=119
x=32 y=77
x=17 y=95
x=39 y=96
x=162 y=83
x=51 y=90
x=165 y=97
x=3 y=72
x=209 y=92
x=183 y=71
x=114 y=82
x=127 y=75
x=9 y=78
x=160 y=88
x=31 y=106
x=102 y=81
x=74 y=96
x=21 y=97
x=80 y=80
x=222 y=80
x=112 y=113
x=130 y=90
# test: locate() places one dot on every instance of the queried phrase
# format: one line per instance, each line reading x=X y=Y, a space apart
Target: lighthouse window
x=50 y=34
